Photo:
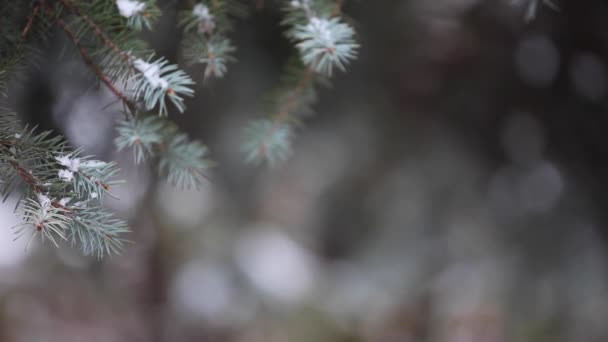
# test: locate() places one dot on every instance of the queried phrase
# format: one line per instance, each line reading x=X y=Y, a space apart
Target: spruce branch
x=96 y=69
x=323 y=42
x=139 y=14
x=30 y=21
x=158 y=79
x=97 y=29
x=154 y=81
x=267 y=140
x=181 y=160
x=271 y=139
x=64 y=190
x=206 y=26
x=142 y=136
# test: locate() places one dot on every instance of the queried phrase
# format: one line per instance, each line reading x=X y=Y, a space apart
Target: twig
x=89 y=61
x=30 y=21
x=105 y=39
x=34 y=184
x=338 y=8
x=98 y=31
x=287 y=106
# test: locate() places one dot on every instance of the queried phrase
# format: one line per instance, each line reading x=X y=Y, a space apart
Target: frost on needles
x=64 y=190
x=324 y=41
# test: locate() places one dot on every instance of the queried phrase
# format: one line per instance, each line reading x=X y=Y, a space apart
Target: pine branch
x=155 y=80
x=96 y=69
x=323 y=42
x=64 y=190
x=206 y=26
x=180 y=159
x=30 y=21
x=97 y=30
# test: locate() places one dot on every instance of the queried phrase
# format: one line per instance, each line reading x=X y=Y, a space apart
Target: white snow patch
x=151 y=73
x=45 y=203
x=206 y=19
x=202 y=12
x=129 y=8
x=71 y=163
x=64 y=201
x=66 y=175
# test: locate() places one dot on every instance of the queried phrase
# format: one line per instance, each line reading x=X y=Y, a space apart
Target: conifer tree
x=62 y=190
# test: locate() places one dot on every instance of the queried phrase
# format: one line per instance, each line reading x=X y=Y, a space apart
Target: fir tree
x=63 y=190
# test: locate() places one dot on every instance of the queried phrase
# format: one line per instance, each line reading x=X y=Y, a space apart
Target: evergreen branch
x=158 y=79
x=270 y=140
x=322 y=39
x=206 y=26
x=96 y=69
x=267 y=140
x=338 y=8
x=323 y=42
x=50 y=221
x=30 y=21
x=97 y=30
x=214 y=52
x=141 y=135
x=26 y=176
x=154 y=81
x=182 y=160
x=138 y=13
x=64 y=191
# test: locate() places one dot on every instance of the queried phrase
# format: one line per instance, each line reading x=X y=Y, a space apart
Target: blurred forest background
x=451 y=187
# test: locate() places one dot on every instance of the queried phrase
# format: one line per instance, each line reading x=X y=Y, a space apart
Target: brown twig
x=98 y=182
x=338 y=8
x=29 y=179
x=106 y=40
x=30 y=21
x=98 y=31
x=287 y=106
x=96 y=69
x=33 y=182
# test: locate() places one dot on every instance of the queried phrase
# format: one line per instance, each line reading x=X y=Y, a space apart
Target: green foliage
x=144 y=14
x=157 y=80
x=319 y=34
x=64 y=190
x=140 y=135
x=215 y=53
x=206 y=26
x=267 y=140
x=323 y=42
x=181 y=160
